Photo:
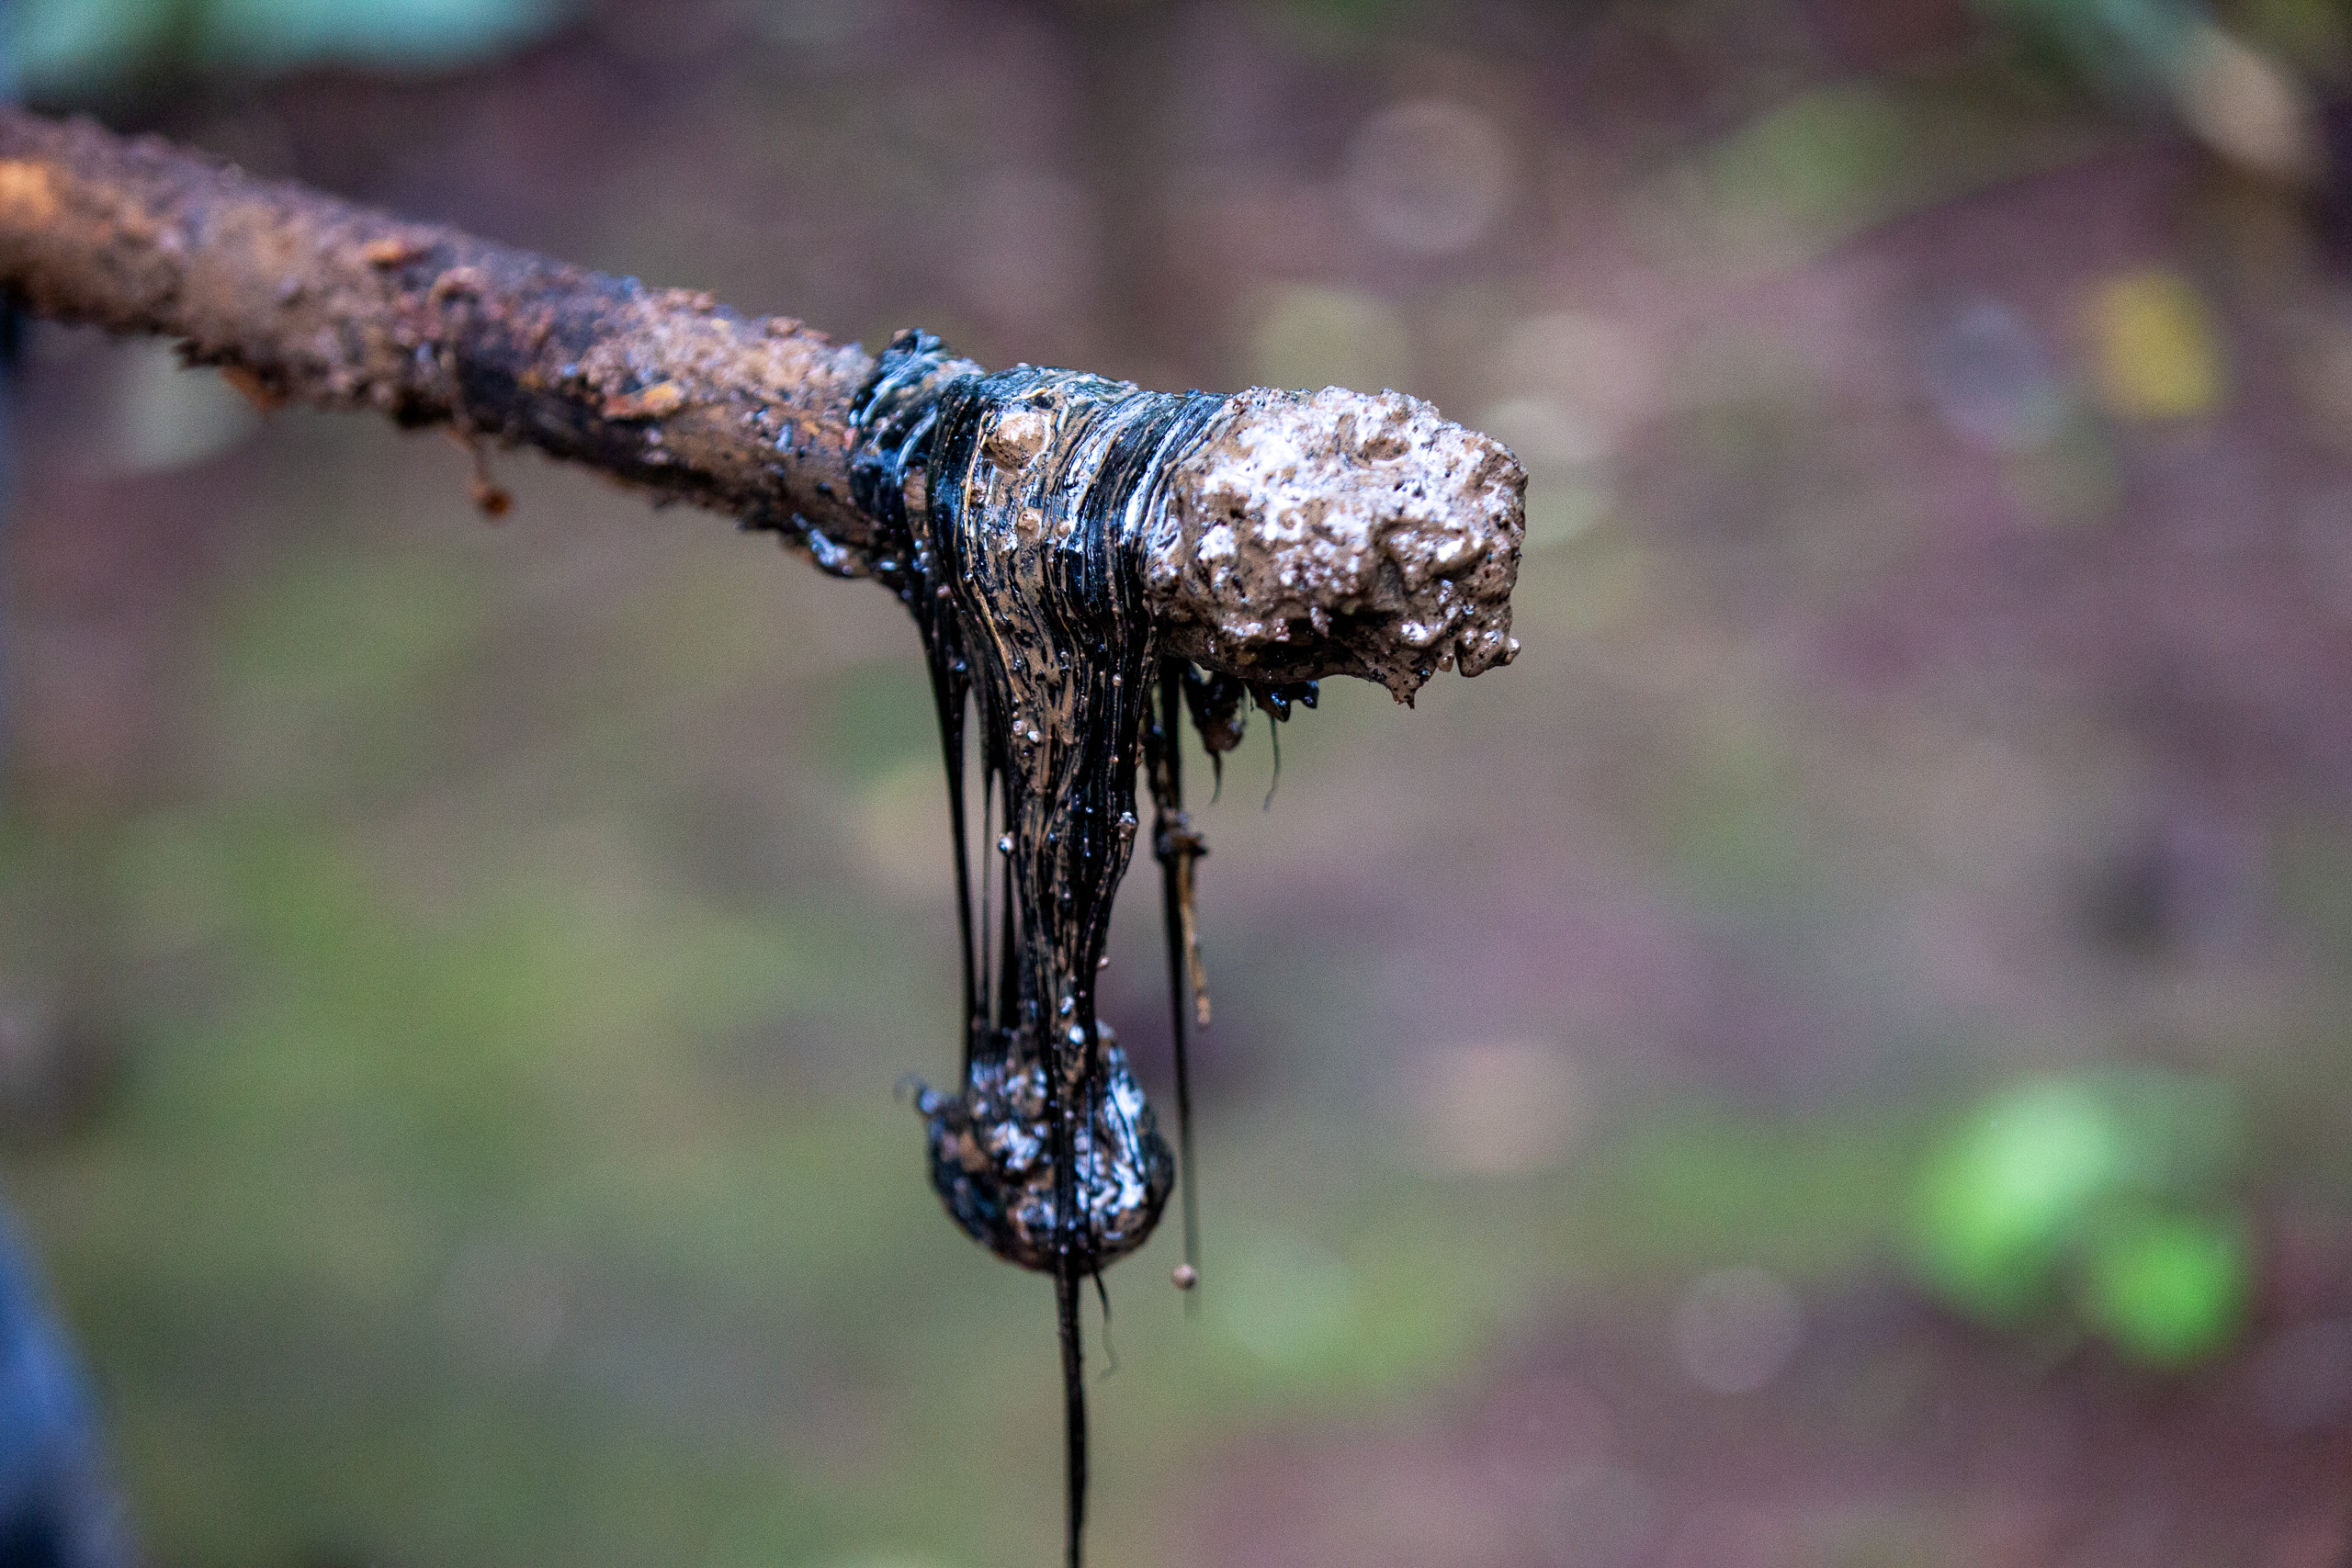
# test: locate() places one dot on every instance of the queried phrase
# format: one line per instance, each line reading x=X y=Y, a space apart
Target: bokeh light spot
x=1427 y=177
x=1737 y=1328
x=2159 y=355
x=1498 y=1108
x=1990 y=379
x=2245 y=107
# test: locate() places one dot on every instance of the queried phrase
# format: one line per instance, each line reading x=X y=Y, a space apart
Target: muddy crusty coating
x=1338 y=532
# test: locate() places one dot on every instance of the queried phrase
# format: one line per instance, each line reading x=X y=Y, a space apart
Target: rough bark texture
x=323 y=302
x=1312 y=540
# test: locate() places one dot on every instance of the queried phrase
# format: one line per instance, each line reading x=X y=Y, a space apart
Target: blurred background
x=1836 y=1056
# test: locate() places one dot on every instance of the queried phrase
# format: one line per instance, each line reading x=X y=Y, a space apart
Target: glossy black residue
x=1015 y=504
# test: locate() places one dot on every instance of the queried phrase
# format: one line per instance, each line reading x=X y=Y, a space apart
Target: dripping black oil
x=1016 y=504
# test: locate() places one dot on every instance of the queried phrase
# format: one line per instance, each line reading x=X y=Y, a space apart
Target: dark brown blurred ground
x=1895 y=1439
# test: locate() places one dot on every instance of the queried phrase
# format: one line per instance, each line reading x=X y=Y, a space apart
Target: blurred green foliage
x=2130 y=48
x=2167 y=1288
x=2098 y=1203
x=2313 y=34
x=2121 y=46
x=1819 y=168
x=71 y=49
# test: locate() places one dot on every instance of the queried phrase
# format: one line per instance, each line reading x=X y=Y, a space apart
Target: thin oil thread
x=1178 y=847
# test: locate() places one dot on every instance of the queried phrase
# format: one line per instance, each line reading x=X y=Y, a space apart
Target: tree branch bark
x=1336 y=533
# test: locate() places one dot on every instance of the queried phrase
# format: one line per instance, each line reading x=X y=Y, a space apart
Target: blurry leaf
x=2004 y=1197
x=70 y=48
x=2248 y=107
x=2159 y=354
x=2107 y=1193
x=1816 y=162
x=377 y=32
x=2123 y=47
x=2167 y=1288
x=64 y=46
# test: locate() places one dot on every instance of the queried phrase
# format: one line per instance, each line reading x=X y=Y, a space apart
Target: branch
x=1300 y=536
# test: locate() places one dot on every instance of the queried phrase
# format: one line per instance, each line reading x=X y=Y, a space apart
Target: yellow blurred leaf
x=2159 y=354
